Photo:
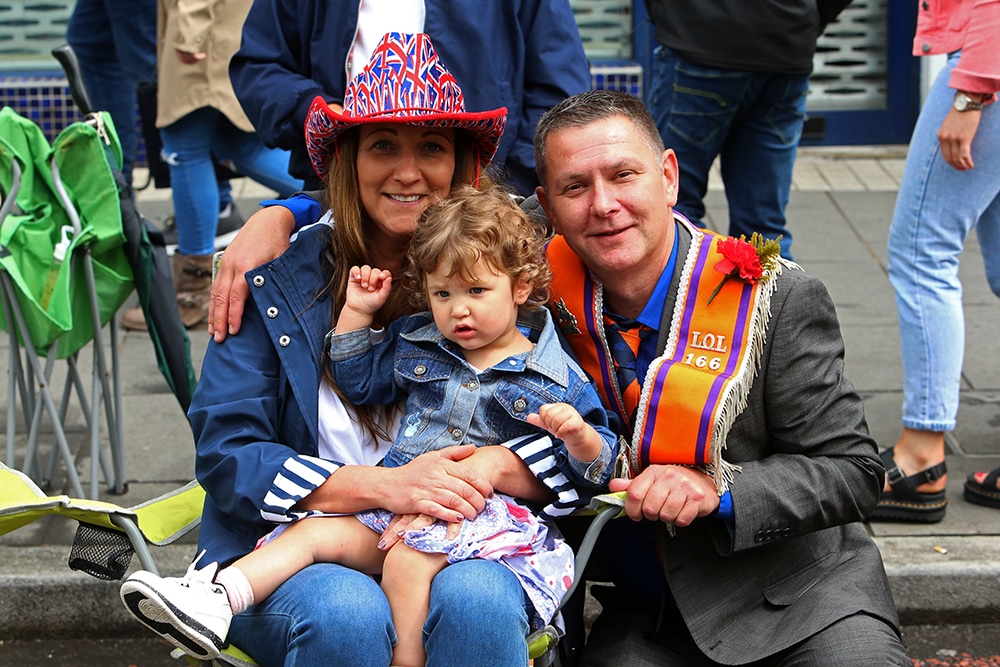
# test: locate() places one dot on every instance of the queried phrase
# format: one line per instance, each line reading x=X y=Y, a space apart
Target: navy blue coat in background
x=525 y=55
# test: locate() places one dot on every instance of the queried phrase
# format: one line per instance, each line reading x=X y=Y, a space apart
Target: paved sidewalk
x=839 y=214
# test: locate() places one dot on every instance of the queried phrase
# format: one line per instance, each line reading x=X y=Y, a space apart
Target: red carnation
x=739 y=258
x=742 y=259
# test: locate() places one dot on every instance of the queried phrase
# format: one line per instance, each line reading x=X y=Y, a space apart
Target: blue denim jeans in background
x=331 y=615
x=115 y=42
x=190 y=148
x=936 y=208
x=753 y=120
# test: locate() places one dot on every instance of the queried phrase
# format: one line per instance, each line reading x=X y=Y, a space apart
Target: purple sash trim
x=705 y=427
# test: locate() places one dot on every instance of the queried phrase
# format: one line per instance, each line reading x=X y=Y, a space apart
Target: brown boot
x=134 y=320
x=193 y=284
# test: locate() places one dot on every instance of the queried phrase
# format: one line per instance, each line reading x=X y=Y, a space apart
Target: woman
x=272 y=433
x=951 y=184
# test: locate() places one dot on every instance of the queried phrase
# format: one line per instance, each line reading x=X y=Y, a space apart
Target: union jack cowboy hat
x=405 y=82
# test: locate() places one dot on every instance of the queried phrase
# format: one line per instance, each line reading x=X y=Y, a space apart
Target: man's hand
x=263 y=237
x=955 y=136
x=668 y=493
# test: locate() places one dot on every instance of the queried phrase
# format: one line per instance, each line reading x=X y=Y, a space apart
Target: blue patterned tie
x=616 y=329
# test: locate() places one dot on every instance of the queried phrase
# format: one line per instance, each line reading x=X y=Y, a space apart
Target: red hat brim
x=324 y=126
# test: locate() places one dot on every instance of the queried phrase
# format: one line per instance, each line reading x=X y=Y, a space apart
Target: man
x=768 y=563
x=730 y=78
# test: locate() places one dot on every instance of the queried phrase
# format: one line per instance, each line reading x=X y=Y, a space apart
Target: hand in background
x=189 y=58
x=955 y=135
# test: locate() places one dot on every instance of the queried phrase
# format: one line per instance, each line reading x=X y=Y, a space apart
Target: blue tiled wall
x=45 y=99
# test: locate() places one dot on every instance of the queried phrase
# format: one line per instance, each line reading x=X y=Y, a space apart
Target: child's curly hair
x=479 y=224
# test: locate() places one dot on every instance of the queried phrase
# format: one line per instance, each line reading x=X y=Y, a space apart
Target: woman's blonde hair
x=474 y=224
x=350 y=239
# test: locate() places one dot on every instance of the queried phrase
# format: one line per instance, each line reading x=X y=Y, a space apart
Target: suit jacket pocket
x=792 y=587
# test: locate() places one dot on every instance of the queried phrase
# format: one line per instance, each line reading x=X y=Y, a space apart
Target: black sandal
x=903 y=502
x=985 y=494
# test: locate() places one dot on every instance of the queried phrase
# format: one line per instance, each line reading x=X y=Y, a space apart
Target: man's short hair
x=589 y=107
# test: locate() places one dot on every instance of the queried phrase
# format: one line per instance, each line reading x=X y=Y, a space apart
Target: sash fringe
x=738 y=391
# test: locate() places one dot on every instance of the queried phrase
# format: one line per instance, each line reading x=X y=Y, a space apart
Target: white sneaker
x=191 y=612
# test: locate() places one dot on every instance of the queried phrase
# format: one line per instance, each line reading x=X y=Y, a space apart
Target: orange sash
x=697 y=387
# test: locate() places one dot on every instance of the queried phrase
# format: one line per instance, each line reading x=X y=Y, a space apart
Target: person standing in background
x=951 y=184
x=730 y=79
x=115 y=43
x=525 y=55
x=200 y=121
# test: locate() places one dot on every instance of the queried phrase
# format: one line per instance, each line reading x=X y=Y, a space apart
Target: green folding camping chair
x=72 y=245
x=150 y=264
x=63 y=277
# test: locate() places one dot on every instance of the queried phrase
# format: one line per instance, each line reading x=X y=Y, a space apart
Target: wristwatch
x=965 y=103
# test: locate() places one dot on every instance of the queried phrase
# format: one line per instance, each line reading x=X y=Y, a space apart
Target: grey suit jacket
x=798 y=559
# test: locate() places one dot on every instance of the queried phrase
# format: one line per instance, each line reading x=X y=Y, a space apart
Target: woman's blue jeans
x=753 y=120
x=115 y=42
x=936 y=208
x=190 y=148
x=331 y=615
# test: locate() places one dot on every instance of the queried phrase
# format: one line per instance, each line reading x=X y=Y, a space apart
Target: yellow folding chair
x=108 y=536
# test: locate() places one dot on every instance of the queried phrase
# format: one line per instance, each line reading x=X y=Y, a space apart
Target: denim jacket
x=448 y=403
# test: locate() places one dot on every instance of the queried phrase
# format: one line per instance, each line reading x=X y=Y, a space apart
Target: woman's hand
x=401 y=523
x=955 y=136
x=439 y=484
x=263 y=237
